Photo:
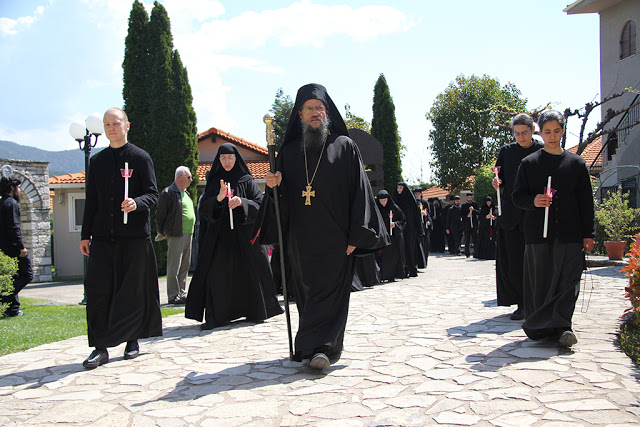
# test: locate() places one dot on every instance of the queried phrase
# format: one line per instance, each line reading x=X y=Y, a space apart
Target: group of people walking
x=328 y=218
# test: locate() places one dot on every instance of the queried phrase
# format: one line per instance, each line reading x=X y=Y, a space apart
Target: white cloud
x=11 y=27
x=302 y=24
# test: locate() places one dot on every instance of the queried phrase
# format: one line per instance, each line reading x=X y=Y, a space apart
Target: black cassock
x=232 y=277
x=413 y=230
x=341 y=212
x=391 y=259
x=121 y=285
x=486 y=243
x=439 y=224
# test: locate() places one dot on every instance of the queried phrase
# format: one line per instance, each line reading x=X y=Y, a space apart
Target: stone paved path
x=433 y=350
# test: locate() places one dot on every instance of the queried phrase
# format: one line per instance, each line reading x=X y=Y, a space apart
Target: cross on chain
x=308 y=195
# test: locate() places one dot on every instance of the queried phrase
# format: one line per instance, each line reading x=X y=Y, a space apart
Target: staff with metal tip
x=271 y=141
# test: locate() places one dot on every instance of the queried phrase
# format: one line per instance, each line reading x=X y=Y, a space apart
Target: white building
x=619 y=70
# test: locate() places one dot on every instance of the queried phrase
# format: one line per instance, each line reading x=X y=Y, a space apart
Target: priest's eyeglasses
x=319 y=109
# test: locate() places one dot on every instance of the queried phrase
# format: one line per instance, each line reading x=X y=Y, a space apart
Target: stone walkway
x=432 y=350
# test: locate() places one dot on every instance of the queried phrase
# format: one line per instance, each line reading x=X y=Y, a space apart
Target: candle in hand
x=229 y=196
x=496 y=170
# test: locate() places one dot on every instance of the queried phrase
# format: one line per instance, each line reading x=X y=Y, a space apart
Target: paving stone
x=456 y=419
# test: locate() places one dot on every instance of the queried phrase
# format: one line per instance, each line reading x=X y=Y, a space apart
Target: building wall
x=34 y=213
x=68 y=260
x=615 y=75
x=208 y=149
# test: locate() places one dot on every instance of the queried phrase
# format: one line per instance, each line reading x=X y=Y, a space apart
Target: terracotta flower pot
x=615 y=250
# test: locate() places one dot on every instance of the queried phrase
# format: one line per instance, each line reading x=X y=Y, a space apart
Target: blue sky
x=60 y=60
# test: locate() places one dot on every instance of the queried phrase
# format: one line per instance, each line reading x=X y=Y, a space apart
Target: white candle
x=546 y=210
x=499 y=204
x=230 y=195
x=390 y=223
x=126 y=187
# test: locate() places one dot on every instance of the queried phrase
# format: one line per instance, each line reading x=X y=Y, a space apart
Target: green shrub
x=8 y=268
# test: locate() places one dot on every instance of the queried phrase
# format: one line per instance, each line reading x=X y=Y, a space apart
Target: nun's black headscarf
x=405 y=197
x=239 y=173
x=305 y=93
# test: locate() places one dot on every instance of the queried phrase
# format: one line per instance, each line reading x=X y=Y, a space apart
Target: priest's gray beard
x=313 y=138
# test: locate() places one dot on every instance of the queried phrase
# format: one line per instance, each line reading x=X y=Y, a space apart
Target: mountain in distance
x=60 y=162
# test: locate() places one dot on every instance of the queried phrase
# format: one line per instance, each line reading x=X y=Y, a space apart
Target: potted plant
x=630 y=329
x=617 y=219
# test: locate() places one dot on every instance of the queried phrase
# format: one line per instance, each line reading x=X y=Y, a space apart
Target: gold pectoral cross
x=308 y=195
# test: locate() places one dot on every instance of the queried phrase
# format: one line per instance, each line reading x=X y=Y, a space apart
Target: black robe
x=367 y=272
x=424 y=241
x=486 y=243
x=232 y=277
x=413 y=230
x=392 y=259
x=342 y=212
x=121 y=284
x=454 y=225
x=553 y=265
x=438 y=233
x=510 y=236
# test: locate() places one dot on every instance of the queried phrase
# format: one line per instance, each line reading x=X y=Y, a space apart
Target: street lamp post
x=82 y=132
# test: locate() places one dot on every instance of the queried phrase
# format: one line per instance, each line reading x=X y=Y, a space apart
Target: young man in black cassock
x=454 y=226
x=445 y=224
x=11 y=241
x=510 y=232
x=553 y=264
x=121 y=284
x=328 y=216
x=469 y=211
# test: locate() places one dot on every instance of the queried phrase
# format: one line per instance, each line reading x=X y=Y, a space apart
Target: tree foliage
x=281 y=110
x=158 y=100
x=468 y=120
x=385 y=129
x=355 y=122
x=8 y=268
x=482 y=185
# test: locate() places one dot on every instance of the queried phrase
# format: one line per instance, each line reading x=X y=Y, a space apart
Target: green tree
x=468 y=126
x=158 y=101
x=385 y=129
x=354 y=122
x=482 y=185
x=8 y=268
x=137 y=75
x=281 y=110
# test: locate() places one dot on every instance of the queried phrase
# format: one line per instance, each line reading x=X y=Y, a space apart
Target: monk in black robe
x=424 y=241
x=486 y=243
x=232 y=277
x=391 y=259
x=553 y=263
x=510 y=231
x=328 y=216
x=413 y=231
x=121 y=284
x=454 y=226
x=438 y=234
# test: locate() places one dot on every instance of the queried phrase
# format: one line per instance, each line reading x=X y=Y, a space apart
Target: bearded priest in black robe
x=121 y=284
x=328 y=217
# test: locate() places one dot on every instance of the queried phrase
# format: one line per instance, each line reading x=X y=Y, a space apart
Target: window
x=76 y=211
x=628 y=40
x=612 y=145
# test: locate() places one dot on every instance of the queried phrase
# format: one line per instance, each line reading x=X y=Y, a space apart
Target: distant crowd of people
x=337 y=235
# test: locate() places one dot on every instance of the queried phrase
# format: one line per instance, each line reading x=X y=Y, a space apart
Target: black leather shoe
x=96 y=358
x=132 y=350
x=517 y=315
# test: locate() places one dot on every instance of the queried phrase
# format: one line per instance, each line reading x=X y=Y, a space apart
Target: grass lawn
x=44 y=322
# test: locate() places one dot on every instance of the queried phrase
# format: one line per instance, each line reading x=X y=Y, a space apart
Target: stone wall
x=34 y=213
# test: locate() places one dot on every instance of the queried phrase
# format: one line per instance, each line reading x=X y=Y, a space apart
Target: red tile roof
x=232 y=138
x=69 y=178
x=590 y=152
x=434 y=191
x=258 y=169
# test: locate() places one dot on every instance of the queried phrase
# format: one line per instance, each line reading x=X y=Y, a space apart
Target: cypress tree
x=158 y=101
x=385 y=129
x=136 y=75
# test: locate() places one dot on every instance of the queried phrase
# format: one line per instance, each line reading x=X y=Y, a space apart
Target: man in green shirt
x=175 y=219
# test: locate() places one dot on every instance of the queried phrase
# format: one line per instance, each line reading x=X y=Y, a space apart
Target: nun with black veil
x=391 y=259
x=413 y=230
x=487 y=230
x=232 y=278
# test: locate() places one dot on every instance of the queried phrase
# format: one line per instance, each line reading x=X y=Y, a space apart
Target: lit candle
x=496 y=170
x=126 y=174
x=390 y=223
x=229 y=196
x=548 y=191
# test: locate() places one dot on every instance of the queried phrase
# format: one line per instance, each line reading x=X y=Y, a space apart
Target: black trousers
x=23 y=277
x=509 y=266
x=470 y=234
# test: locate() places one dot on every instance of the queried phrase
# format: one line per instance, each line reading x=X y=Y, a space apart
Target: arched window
x=628 y=40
